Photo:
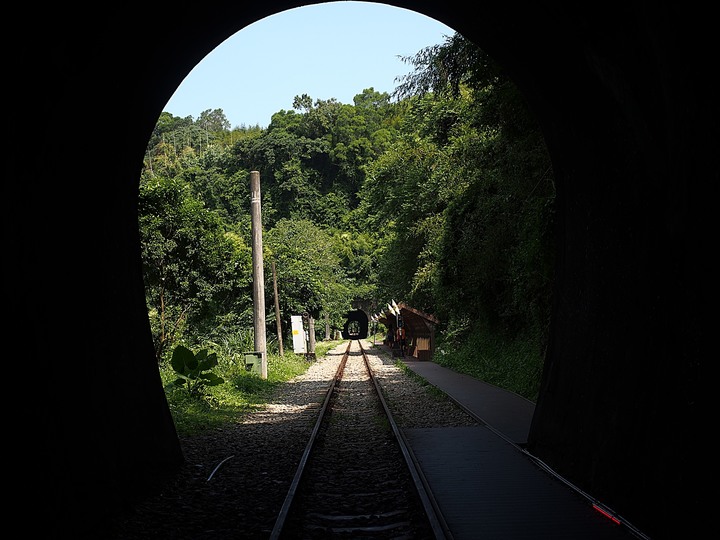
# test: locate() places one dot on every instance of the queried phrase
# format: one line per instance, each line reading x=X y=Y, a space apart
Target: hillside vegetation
x=440 y=196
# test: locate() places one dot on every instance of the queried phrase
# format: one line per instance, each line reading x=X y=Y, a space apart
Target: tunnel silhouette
x=356 y=325
x=625 y=101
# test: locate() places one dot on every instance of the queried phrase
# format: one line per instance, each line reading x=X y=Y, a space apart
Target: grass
x=241 y=393
x=512 y=365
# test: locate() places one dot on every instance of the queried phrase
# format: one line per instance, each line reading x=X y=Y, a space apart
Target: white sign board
x=298 y=334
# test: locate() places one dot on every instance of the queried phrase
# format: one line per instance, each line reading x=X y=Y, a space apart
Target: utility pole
x=277 y=311
x=258 y=273
x=311 y=338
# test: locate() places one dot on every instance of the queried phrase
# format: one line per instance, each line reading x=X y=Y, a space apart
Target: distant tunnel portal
x=356 y=325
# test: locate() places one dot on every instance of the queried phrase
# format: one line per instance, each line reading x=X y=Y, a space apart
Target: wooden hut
x=419 y=331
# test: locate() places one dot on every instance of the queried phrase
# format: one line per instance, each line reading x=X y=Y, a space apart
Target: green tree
x=193 y=269
x=213 y=121
x=465 y=197
x=309 y=271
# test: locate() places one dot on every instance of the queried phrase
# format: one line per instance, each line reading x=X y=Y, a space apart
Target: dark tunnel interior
x=623 y=95
x=356 y=325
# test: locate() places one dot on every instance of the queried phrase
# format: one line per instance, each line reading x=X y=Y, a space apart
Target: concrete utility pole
x=311 y=337
x=277 y=311
x=258 y=273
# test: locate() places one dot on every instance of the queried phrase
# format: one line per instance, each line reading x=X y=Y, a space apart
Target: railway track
x=357 y=477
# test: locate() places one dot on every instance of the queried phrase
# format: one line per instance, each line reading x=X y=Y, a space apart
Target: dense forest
x=440 y=195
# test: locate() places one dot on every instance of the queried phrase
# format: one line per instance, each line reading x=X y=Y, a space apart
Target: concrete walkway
x=485 y=485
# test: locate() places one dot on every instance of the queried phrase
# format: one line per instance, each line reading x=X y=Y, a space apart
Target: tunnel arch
x=356 y=325
x=623 y=98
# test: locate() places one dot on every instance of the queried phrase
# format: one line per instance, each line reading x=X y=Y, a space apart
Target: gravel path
x=235 y=479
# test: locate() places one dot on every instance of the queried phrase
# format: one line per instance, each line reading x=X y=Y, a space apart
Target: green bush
x=239 y=393
x=513 y=363
x=194 y=370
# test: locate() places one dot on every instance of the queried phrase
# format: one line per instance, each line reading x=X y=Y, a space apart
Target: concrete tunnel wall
x=623 y=96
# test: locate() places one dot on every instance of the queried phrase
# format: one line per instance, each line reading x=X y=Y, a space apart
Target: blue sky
x=332 y=50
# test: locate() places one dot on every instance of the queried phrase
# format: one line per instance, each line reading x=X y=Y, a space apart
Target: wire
x=218 y=466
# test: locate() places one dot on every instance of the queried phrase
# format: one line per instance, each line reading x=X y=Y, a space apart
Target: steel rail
x=440 y=528
x=287 y=504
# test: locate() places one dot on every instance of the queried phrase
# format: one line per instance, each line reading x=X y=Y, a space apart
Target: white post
x=258 y=272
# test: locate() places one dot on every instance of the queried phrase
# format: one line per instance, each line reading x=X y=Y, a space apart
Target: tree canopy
x=440 y=195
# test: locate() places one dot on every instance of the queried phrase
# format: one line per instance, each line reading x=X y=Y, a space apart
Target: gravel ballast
x=235 y=480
